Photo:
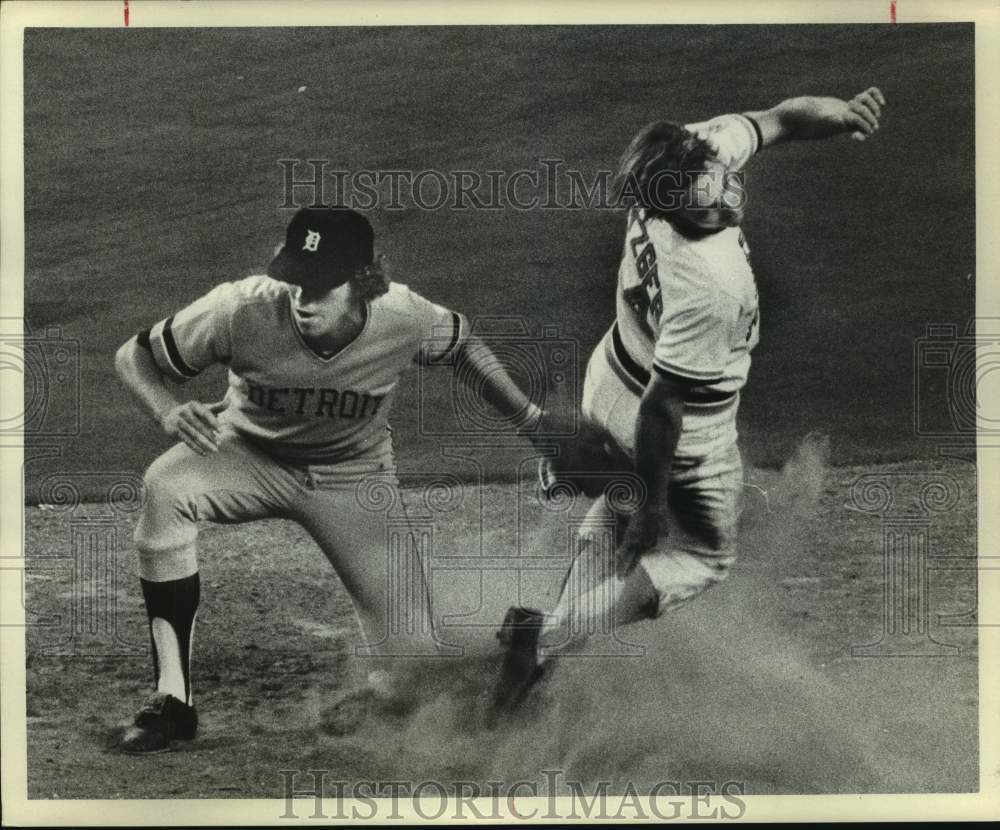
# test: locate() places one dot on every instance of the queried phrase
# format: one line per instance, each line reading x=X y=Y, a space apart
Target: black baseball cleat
x=161 y=721
x=520 y=671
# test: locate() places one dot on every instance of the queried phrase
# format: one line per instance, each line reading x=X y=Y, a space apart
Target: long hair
x=373 y=280
x=656 y=170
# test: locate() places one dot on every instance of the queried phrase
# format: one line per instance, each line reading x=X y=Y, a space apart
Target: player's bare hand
x=822 y=117
x=864 y=112
x=641 y=533
x=195 y=424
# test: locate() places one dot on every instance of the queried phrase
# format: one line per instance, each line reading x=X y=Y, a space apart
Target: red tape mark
x=892 y=11
x=126 y=12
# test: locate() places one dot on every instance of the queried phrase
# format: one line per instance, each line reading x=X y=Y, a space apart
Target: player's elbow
x=125 y=359
x=664 y=398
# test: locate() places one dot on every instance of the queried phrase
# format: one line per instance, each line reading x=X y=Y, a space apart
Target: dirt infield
x=758 y=682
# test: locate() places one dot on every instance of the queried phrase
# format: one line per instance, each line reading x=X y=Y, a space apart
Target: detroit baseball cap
x=324 y=247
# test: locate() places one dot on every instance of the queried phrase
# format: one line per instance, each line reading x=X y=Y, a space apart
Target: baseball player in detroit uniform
x=662 y=387
x=314 y=350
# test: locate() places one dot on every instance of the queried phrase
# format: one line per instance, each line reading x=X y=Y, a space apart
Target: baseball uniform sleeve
x=196 y=336
x=737 y=137
x=439 y=328
x=693 y=341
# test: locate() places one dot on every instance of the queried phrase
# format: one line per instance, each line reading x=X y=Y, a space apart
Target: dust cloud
x=723 y=693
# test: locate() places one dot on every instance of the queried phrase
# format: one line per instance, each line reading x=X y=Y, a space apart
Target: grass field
x=152 y=174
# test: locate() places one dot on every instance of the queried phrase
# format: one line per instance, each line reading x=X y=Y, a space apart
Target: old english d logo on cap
x=324 y=247
x=312 y=241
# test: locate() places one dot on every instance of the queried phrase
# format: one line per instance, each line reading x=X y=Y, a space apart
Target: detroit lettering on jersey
x=319 y=403
x=282 y=395
x=690 y=306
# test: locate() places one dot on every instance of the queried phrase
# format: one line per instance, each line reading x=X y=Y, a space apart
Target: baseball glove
x=585 y=460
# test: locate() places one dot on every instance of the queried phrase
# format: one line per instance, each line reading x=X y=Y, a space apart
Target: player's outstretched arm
x=483 y=372
x=192 y=422
x=812 y=117
x=657 y=431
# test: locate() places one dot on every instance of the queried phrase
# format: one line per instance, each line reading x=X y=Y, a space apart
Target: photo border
x=16 y=15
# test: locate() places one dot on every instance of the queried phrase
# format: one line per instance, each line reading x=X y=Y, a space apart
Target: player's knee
x=167 y=520
x=679 y=576
x=166 y=531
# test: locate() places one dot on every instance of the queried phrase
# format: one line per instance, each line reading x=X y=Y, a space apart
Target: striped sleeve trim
x=759 y=135
x=166 y=353
x=456 y=332
x=431 y=355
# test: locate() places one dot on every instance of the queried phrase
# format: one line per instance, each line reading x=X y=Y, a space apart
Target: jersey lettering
x=302 y=394
x=272 y=402
x=327 y=402
x=644 y=298
x=331 y=403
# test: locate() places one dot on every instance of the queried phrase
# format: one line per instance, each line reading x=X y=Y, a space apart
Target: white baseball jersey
x=300 y=406
x=688 y=306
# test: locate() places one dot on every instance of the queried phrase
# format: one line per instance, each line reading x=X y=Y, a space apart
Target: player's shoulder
x=257 y=288
x=678 y=251
x=705 y=254
x=251 y=292
x=252 y=297
x=399 y=294
x=402 y=300
x=736 y=135
x=721 y=123
x=696 y=264
x=714 y=124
